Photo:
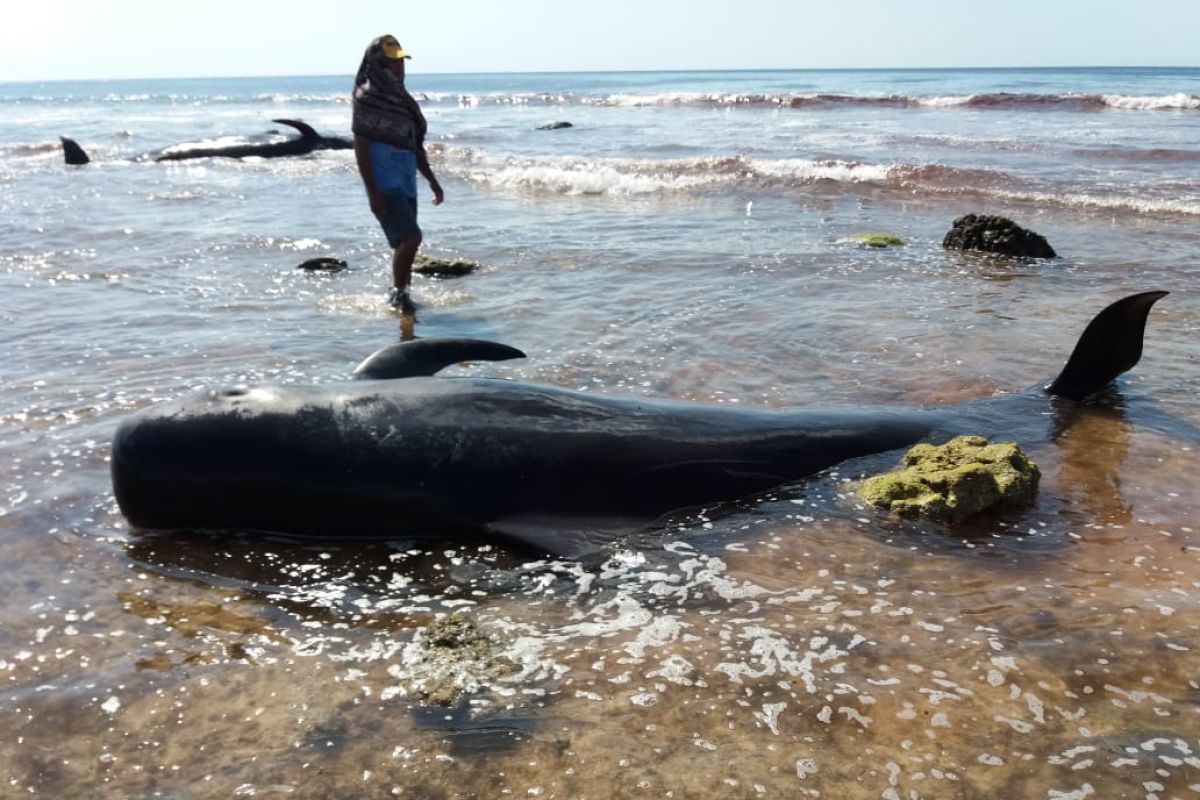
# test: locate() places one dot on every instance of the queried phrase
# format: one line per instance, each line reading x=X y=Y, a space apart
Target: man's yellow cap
x=391 y=48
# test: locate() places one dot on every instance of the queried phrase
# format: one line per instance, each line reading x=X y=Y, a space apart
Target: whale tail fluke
x=423 y=357
x=72 y=152
x=1110 y=345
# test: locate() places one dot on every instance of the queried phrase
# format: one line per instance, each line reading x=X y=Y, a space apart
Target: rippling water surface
x=688 y=237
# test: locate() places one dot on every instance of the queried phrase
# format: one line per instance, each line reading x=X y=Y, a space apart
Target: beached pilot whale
x=308 y=142
x=398 y=452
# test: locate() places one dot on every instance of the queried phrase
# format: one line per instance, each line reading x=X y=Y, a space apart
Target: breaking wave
x=617 y=177
x=1179 y=101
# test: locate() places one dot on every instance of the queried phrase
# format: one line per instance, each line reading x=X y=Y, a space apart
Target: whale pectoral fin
x=72 y=152
x=305 y=129
x=423 y=357
x=1110 y=345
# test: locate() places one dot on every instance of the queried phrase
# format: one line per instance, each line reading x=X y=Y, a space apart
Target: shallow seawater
x=795 y=645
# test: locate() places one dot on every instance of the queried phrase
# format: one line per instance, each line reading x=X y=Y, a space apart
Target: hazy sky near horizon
x=43 y=40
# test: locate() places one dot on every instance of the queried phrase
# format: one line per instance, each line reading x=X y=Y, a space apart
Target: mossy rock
x=954 y=481
x=443 y=267
x=456 y=656
x=879 y=240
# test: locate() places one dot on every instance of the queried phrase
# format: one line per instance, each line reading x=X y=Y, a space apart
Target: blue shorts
x=399 y=218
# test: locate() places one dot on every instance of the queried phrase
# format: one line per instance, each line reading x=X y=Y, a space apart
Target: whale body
x=399 y=451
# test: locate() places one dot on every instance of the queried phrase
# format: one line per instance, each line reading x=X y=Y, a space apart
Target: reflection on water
x=1093 y=443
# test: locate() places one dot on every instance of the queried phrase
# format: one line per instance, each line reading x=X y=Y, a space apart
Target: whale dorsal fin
x=1111 y=344
x=306 y=130
x=428 y=356
x=72 y=152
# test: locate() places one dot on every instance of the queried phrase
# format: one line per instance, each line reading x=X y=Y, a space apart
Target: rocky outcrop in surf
x=993 y=234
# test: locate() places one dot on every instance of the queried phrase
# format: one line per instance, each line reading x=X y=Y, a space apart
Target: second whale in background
x=309 y=141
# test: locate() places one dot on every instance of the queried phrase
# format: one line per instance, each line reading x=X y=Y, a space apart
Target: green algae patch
x=443 y=267
x=954 y=481
x=879 y=240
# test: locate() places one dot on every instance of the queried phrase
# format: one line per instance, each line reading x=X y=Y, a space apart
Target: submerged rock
x=954 y=481
x=323 y=264
x=873 y=240
x=454 y=656
x=993 y=234
x=443 y=267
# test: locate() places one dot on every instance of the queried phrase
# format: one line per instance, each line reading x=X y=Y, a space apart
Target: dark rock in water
x=323 y=264
x=555 y=126
x=443 y=267
x=993 y=234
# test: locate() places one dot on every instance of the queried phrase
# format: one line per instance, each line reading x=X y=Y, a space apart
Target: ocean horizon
x=740 y=70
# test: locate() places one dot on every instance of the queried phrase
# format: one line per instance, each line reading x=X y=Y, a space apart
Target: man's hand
x=438 y=194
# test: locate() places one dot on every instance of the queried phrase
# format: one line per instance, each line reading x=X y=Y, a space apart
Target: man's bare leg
x=402 y=264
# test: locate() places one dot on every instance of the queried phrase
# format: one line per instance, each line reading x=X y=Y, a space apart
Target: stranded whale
x=401 y=452
x=308 y=142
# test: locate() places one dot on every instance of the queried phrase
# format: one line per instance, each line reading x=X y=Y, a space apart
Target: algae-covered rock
x=443 y=267
x=954 y=481
x=880 y=240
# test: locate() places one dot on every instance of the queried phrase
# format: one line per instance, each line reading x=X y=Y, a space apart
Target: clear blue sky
x=73 y=39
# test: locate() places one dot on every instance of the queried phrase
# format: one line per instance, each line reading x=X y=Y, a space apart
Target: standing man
x=389 y=145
